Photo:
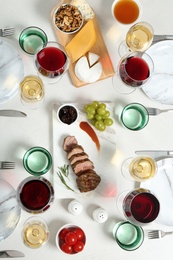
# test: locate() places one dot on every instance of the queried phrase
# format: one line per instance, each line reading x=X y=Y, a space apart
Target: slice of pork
x=78 y=157
x=75 y=149
x=88 y=181
x=81 y=166
x=69 y=141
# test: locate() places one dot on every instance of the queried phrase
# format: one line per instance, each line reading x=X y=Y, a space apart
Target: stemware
x=133 y=72
x=140 y=168
x=138 y=38
x=32 y=91
x=51 y=62
x=139 y=206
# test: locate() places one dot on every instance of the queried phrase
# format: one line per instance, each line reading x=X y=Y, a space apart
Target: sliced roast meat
x=81 y=166
x=78 y=157
x=75 y=149
x=69 y=141
x=88 y=181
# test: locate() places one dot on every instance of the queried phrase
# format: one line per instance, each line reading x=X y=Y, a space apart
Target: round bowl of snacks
x=70 y=239
x=68 y=19
x=67 y=114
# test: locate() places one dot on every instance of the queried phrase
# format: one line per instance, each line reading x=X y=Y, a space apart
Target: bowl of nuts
x=68 y=19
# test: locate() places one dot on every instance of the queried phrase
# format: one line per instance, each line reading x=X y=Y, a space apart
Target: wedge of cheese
x=82 y=42
x=85 y=9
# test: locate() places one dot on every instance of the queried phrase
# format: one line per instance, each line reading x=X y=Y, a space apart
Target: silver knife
x=155 y=153
x=12 y=113
x=11 y=254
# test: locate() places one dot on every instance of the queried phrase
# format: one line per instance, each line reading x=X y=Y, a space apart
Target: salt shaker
x=100 y=215
x=75 y=207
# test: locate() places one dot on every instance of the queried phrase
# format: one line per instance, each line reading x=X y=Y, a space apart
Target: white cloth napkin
x=162 y=186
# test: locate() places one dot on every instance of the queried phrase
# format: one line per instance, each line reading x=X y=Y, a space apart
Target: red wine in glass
x=35 y=195
x=134 y=71
x=51 y=61
x=141 y=207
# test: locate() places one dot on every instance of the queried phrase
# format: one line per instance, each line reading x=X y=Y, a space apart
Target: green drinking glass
x=134 y=116
x=37 y=161
x=128 y=236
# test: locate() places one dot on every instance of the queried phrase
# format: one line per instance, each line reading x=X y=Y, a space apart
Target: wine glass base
x=120 y=87
x=123 y=49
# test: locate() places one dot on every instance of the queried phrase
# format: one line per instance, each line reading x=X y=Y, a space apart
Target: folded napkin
x=162 y=186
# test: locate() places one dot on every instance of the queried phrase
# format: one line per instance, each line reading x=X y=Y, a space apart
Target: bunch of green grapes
x=98 y=114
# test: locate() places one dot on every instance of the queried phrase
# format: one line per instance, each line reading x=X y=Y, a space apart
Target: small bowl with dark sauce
x=67 y=114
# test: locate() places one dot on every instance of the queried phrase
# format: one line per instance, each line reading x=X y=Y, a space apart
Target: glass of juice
x=140 y=168
x=35 y=232
x=128 y=236
x=32 y=91
x=51 y=62
x=134 y=71
x=126 y=12
x=37 y=161
x=35 y=194
x=138 y=38
x=134 y=116
x=139 y=206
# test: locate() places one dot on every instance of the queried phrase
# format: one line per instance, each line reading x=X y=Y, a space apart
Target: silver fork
x=7 y=165
x=152 y=234
x=156 y=111
x=7 y=31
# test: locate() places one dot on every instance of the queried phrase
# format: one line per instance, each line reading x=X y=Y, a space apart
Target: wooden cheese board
x=99 y=48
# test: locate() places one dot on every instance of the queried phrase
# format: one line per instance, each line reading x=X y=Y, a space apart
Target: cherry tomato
x=63 y=233
x=78 y=247
x=66 y=248
x=79 y=233
x=71 y=238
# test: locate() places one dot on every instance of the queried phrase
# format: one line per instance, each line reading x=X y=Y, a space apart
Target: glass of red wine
x=51 y=62
x=35 y=194
x=133 y=72
x=139 y=206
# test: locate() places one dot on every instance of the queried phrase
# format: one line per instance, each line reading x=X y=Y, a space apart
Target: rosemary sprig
x=64 y=171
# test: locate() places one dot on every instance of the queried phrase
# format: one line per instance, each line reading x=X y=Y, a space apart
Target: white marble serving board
x=103 y=160
x=162 y=186
x=160 y=87
x=11 y=71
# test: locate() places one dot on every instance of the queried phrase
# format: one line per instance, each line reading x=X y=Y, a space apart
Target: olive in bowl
x=68 y=18
x=67 y=114
x=70 y=239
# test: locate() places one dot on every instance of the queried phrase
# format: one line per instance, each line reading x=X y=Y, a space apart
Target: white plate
x=9 y=210
x=11 y=71
x=160 y=87
x=162 y=187
x=104 y=160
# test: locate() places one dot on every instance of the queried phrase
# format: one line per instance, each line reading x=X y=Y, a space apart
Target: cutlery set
x=12 y=113
x=11 y=254
x=153 y=234
x=7 y=165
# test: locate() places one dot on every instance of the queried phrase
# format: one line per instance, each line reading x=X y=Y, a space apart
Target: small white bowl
x=59 y=241
x=67 y=114
x=63 y=7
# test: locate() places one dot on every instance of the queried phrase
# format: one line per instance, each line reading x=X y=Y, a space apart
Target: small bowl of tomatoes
x=70 y=239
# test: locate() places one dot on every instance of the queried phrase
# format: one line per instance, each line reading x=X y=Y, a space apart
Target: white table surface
x=19 y=134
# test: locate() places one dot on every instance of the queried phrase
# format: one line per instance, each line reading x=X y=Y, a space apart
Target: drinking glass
x=133 y=72
x=134 y=116
x=51 y=62
x=35 y=194
x=126 y=12
x=138 y=38
x=139 y=206
x=32 y=91
x=32 y=38
x=128 y=236
x=37 y=161
x=140 y=168
x=35 y=232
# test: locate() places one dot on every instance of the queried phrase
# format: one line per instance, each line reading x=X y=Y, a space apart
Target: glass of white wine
x=32 y=91
x=140 y=168
x=138 y=38
x=35 y=232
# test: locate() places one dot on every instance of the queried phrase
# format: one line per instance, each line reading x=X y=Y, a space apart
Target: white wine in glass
x=139 y=169
x=138 y=38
